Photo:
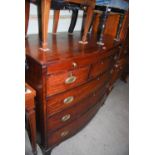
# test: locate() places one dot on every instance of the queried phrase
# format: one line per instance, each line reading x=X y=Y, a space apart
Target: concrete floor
x=106 y=134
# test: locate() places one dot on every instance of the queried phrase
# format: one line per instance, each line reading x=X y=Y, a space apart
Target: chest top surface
x=64 y=46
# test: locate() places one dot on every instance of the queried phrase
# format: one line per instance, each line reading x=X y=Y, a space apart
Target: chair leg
x=87 y=24
x=45 y=11
x=73 y=21
x=83 y=21
x=96 y=23
x=27 y=14
x=102 y=26
x=55 y=21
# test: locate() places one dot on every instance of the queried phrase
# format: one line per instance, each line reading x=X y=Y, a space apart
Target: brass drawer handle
x=68 y=100
x=74 y=64
x=64 y=133
x=65 y=118
x=70 y=79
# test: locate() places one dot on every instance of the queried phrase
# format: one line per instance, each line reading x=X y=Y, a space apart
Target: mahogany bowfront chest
x=70 y=80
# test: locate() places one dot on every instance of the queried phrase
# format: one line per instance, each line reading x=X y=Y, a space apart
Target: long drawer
x=65 y=80
x=62 y=101
x=73 y=127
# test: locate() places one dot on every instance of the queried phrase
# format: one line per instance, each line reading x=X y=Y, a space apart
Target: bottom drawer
x=73 y=127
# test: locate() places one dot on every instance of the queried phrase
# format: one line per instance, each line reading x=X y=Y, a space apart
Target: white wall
x=63 y=25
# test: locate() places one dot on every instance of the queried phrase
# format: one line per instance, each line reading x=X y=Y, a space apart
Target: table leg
x=45 y=11
x=73 y=21
x=87 y=24
x=55 y=20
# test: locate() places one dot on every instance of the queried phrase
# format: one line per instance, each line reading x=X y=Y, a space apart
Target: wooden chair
x=103 y=9
x=112 y=14
x=44 y=7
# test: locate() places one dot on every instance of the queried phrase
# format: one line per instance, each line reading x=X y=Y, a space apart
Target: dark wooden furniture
x=105 y=11
x=121 y=69
x=70 y=80
x=30 y=94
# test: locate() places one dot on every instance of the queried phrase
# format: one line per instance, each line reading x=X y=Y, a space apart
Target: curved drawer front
x=63 y=81
x=62 y=101
x=60 y=119
x=73 y=127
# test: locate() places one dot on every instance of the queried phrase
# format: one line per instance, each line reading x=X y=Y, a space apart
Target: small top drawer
x=101 y=66
x=62 y=81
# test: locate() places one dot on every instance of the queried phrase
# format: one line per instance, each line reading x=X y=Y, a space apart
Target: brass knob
x=64 y=133
x=74 y=64
x=70 y=79
x=116 y=65
x=65 y=118
x=115 y=57
x=104 y=48
x=68 y=100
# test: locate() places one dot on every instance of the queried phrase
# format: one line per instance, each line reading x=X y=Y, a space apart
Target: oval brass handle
x=64 y=133
x=68 y=99
x=70 y=79
x=74 y=64
x=65 y=118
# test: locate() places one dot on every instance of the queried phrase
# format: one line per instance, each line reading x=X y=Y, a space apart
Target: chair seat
x=102 y=2
x=118 y=4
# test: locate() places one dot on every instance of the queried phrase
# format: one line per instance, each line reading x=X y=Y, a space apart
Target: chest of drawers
x=70 y=80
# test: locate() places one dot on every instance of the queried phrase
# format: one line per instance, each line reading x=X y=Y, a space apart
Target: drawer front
x=73 y=127
x=60 y=119
x=101 y=66
x=62 y=101
x=63 y=81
